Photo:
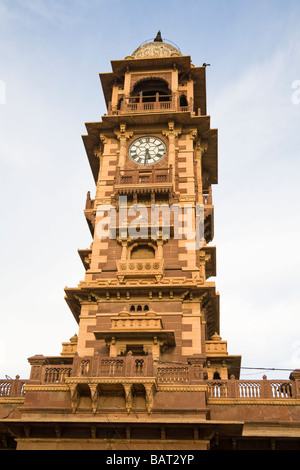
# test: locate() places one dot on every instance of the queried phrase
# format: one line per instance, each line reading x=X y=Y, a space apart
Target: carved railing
x=56 y=374
x=153 y=103
x=121 y=366
x=12 y=387
x=136 y=176
x=175 y=375
x=112 y=367
x=145 y=368
x=252 y=389
x=217 y=389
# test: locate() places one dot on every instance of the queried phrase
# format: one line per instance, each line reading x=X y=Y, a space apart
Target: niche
x=142 y=252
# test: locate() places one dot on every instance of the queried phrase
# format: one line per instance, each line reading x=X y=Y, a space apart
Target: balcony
x=207 y=196
x=150 y=103
x=153 y=176
x=91 y=382
x=129 y=366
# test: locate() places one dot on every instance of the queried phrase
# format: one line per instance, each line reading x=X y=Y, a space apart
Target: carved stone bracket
x=94 y=396
x=74 y=397
x=149 y=397
x=128 y=397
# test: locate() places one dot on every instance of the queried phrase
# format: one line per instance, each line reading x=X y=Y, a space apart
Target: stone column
x=123 y=136
x=201 y=147
x=295 y=376
x=172 y=134
x=37 y=362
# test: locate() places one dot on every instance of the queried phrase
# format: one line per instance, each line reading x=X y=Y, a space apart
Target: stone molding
x=182 y=388
x=253 y=401
x=46 y=388
x=12 y=400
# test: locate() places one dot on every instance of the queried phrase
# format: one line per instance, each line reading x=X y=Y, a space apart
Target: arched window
x=150 y=87
x=132 y=308
x=183 y=101
x=216 y=376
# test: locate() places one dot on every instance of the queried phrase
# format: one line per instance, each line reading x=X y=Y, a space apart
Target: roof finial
x=158 y=37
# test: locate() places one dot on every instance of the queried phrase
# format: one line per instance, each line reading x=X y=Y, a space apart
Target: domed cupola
x=156 y=47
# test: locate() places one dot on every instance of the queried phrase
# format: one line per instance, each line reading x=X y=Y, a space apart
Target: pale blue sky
x=51 y=53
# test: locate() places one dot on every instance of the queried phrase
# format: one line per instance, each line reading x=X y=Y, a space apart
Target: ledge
x=254 y=401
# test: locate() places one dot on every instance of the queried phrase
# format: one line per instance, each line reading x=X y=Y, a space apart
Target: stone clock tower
x=146 y=291
x=148 y=368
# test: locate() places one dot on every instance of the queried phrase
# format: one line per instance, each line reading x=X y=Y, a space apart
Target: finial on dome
x=158 y=37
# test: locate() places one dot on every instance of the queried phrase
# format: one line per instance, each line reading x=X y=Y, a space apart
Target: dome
x=156 y=48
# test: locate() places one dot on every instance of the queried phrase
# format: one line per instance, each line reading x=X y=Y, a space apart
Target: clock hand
x=146 y=156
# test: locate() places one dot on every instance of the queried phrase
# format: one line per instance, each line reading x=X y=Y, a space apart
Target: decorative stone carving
x=133 y=269
x=128 y=396
x=155 y=49
x=94 y=396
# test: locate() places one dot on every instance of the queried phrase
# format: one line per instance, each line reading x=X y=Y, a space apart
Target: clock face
x=147 y=150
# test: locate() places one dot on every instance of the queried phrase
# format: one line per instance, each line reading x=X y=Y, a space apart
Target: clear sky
x=51 y=53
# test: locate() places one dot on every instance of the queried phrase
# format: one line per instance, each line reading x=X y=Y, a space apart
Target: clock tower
x=147 y=292
x=147 y=367
x=147 y=311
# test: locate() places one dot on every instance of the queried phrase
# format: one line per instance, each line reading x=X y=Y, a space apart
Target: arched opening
x=142 y=252
x=120 y=103
x=216 y=376
x=152 y=89
x=183 y=101
x=132 y=308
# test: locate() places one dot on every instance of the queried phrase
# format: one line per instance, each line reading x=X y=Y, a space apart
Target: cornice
x=46 y=388
x=253 y=401
x=182 y=388
x=12 y=400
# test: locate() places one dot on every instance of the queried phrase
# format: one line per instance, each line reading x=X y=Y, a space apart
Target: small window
x=183 y=101
x=136 y=349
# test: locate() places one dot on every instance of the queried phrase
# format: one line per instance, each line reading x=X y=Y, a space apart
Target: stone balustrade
x=12 y=387
x=132 y=367
x=155 y=103
x=252 y=389
x=157 y=176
